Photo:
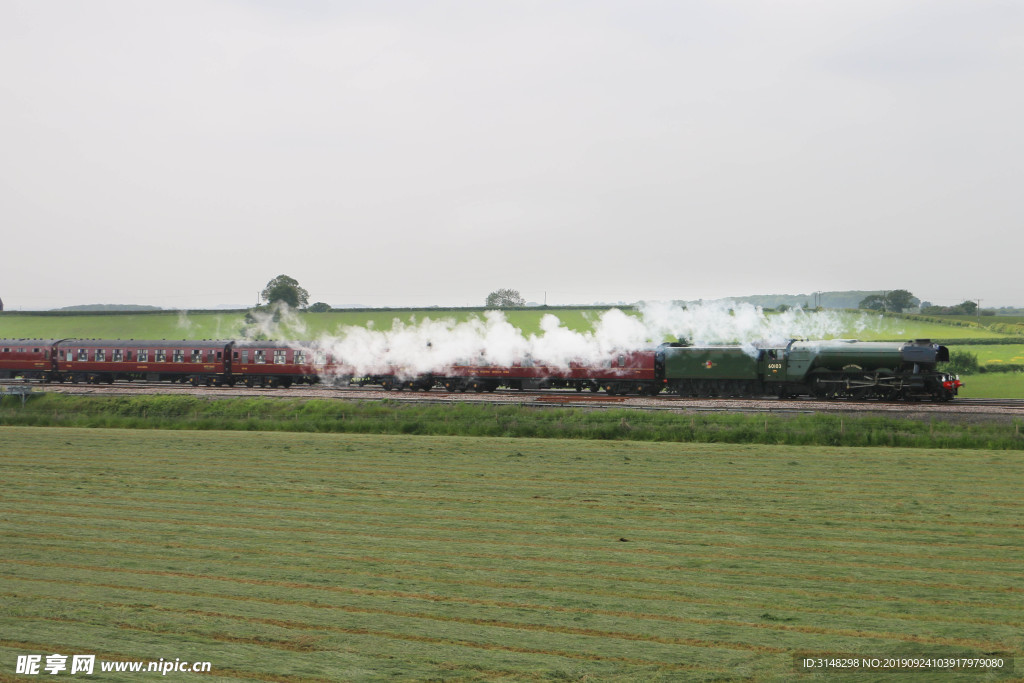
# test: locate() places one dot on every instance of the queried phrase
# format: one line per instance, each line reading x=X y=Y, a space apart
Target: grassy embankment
x=461 y=419
x=319 y=557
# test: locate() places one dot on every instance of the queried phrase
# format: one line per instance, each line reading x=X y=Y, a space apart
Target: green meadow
x=227 y=325
x=1007 y=354
x=322 y=557
x=994 y=385
x=305 y=325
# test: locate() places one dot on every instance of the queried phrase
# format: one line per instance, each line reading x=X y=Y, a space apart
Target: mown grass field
x=315 y=557
x=220 y=325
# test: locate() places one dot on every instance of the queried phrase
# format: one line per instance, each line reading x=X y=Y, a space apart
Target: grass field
x=489 y=420
x=214 y=325
x=314 y=557
x=993 y=385
x=996 y=353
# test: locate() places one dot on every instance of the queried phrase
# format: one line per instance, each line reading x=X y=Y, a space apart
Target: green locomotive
x=838 y=368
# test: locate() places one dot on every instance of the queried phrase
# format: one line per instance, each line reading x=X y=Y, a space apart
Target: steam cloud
x=434 y=344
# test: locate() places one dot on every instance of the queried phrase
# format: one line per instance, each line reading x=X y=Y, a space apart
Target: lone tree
x=899 y=300
x=873 y=302
x=286 y=290
x=969 y=307
x=896 y=300
x=505 y=298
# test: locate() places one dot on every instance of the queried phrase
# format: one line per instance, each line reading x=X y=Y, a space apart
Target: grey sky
x=183 y=153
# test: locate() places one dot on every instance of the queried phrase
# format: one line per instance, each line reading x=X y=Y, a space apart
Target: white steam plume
x=432 y=345
x=277 y=321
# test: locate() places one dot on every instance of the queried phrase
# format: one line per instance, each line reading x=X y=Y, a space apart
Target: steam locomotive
x=833 y=369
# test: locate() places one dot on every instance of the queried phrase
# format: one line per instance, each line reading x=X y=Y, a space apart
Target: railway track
x=554 y=399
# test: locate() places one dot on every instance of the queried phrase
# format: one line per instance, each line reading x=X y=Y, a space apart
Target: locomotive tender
x=834 y=369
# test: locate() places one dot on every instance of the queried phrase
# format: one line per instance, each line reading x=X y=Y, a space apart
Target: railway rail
x=555 y=399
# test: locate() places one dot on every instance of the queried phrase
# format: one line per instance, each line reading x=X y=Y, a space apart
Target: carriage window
x=197 y=356
x=622 y=361
x=260 y=358
x=320 y=358
x=245 y=356
x=118 y=355
x=178 y=356
x=127 y=355
x=300 y=357
x=143 y=355
x=279 y=357
x=101 y=355
x=69 y=355
x=83 y=354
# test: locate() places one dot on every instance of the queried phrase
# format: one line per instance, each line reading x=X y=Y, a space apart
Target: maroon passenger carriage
x=27 y=358
x=107 y=360
x=628 y=372
x=276 y=364
x=207 y=362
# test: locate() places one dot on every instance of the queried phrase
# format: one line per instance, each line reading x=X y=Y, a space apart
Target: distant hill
x=109 y=307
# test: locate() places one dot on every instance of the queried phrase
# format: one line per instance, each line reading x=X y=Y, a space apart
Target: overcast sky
x=181 y=154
